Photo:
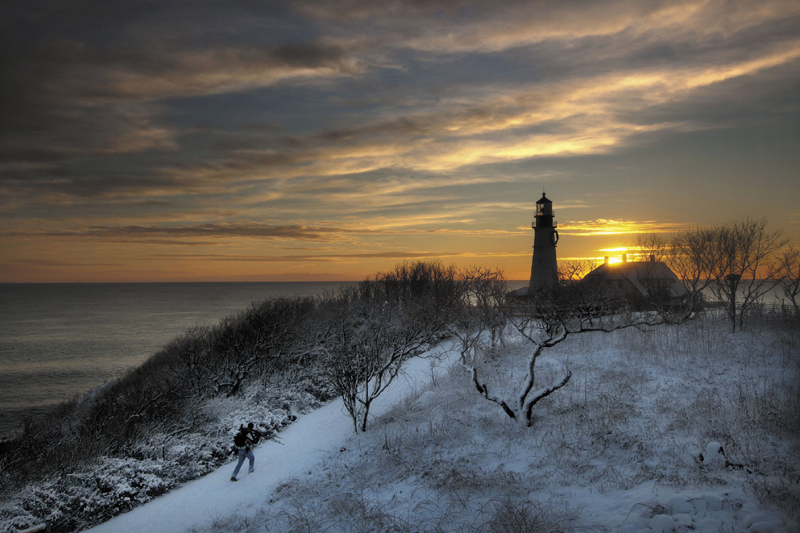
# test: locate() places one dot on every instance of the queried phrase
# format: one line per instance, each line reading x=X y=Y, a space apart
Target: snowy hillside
x=631 y=444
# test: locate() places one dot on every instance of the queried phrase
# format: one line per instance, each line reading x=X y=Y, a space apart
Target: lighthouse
x=544 y=270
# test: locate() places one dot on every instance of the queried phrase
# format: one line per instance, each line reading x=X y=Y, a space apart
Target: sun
x=613 y=256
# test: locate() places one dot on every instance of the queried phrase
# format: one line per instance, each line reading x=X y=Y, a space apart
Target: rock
x=696 y=456
x=700 y=504
x=680 y=504
x=707 y=524
x=682 y=519
x=633 y=527
x=766 y=527
x=714 y=456
x=759 y=516
x=714 y=502
x=662 y=523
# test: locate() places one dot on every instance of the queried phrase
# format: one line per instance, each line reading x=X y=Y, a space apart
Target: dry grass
x=638 y=408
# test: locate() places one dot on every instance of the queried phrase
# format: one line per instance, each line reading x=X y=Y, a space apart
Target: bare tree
x=747 y=265
x=254 y=341
x=789 y=261
x=547 y=318
x=481 y=294
x=378 y=325
x=693 y=256
x=737 y=262
x=650 y=246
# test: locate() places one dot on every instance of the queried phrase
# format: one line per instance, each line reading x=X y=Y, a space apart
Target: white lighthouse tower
x=544 y=270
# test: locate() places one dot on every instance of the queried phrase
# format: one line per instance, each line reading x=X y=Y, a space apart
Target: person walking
x=243 y=441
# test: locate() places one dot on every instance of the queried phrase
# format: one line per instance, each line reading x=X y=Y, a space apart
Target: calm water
x=62 y=340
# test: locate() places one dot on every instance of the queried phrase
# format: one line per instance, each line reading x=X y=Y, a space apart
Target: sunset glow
x=326 y=141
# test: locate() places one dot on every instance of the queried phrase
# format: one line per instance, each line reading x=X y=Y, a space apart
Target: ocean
x=59 y=341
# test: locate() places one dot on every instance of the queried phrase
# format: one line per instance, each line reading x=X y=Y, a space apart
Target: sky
x=306 y=140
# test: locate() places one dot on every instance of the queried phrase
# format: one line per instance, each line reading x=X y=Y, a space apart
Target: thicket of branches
x=545 y=319
x=375 y=327
x=736 y=264
x=356 y=338
x=161 y=395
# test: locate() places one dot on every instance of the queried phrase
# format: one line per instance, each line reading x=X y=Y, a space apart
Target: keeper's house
x=645 y=278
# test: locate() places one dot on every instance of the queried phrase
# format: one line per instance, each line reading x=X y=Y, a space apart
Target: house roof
x=637 y=272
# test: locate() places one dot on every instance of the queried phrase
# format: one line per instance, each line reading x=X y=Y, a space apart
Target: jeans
x=244 y=452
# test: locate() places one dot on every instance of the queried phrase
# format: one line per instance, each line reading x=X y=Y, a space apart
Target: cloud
x=80 y=88
x=185 y=234
x=332 y=257
x=509 y=25
x=596 y=115
x=358 y=123
x=91 y=99
x=592 y=228
x=253 y=230
x=51 y=263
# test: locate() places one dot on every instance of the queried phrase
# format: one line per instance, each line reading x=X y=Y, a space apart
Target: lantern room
x=544 y=213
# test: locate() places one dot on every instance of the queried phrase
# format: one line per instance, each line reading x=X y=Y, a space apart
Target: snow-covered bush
x=145 y=469
x=379 y=324
x=166 y=422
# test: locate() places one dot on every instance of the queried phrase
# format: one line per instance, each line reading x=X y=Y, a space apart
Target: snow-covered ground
x=299 y=449
x=618 y=449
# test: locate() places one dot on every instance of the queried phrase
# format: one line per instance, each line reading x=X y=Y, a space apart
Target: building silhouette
x=646 y=278
x=544 y=268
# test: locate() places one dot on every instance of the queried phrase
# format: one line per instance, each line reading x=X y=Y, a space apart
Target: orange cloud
x=591 y=228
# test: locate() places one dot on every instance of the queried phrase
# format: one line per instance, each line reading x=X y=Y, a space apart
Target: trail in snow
x=302 y=445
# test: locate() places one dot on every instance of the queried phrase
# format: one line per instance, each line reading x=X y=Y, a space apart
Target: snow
x=714 y=456
x=643 y=459
x=302 y=446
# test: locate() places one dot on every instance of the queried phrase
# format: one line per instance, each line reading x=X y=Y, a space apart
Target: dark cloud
x=313 y=258
x=252 y=230
x=464 y=10
x=49 y=263
x=308 y=54
x=81 y=78
x=71 y=183
x=137 y=120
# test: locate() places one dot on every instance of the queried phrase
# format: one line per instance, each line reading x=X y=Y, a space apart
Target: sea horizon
x=60 y=340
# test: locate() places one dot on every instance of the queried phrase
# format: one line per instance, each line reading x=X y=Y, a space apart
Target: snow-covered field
x=632 y=443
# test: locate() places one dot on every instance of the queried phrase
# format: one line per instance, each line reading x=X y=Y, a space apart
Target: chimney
x=624 y=258
x=605 y=260
x=652 y=259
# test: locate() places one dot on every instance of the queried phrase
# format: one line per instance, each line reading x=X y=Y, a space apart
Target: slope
x=302 y=446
